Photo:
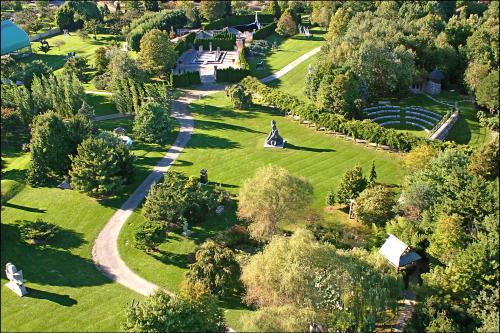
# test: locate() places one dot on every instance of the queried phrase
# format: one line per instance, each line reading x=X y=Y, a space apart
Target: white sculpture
x=16 y=281
x=310 y=68
x=210 y=47
x=186 y=232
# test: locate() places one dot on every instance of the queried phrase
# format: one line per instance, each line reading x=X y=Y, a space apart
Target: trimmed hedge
x=185 y=43
x=185 y=79
x=237 y=20
x=224 y=40
x=162 y=20
x=366 y=129
x=265 y=32
x=231 y=74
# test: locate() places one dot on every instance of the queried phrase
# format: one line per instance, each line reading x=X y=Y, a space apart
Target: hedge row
x=237 y=20
x=185 y=43
x=163 y=20
x=231 y=74
x=265 y=31
x=185 y=79
x=366 y=129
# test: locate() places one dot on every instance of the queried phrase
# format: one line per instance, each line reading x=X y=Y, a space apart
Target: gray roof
x=436 y=75
x=398 y=253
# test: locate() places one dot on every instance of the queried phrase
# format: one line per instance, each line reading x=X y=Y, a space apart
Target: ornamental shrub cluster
x=231 y=74
x=185 y=79
x=366 y=129
x=265 y=31
x=163 y=20
x=37 y=231
x=224 y=40
x=237 y=20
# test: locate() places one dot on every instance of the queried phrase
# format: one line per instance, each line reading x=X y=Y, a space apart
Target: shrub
x=330 y=198
x=185 y=79
x=240 y=98
x=102 y=82
x=38 y=231
x=216 y=268
x=185 y=43
x=234 y=236
x=231 y=74
x=259 y=47
x=265 y=31
x=286 y=25
x=375 y=205
x=148 y=235
x=152 y=123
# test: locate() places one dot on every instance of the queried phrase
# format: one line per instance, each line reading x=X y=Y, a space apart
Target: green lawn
x=294 y=81
x=73 y=43
x=229 y=143
x=102 y=104
x=66 y=292
x=289 y=49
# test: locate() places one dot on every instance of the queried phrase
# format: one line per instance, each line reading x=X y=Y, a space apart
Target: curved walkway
x=105 y=252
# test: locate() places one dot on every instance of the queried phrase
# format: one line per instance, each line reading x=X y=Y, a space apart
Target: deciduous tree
x=157 y=53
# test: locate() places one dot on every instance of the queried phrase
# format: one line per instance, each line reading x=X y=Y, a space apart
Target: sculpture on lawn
x=274 y=139
x=16 y=281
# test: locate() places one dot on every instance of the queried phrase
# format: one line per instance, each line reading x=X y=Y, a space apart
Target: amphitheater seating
x=390 y=123
x=387 y=117
x=412 y=115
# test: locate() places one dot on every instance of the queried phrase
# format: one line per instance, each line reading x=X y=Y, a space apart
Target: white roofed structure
x=398 y=253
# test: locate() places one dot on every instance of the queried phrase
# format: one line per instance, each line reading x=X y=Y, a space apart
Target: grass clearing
x=66 y=291
x=289 y=49
x=229 y=144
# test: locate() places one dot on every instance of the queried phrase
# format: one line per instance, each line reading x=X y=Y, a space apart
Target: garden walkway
x=105 y=252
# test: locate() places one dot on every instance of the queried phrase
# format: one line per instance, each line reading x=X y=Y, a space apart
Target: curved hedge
x=265 y=31
x=237 y=20
x=366 y=129
x=163 y=20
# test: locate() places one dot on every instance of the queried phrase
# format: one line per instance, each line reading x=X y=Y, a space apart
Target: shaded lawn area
x=102 y=104
x=72 y=43
x=229 y=144
x=289 y=49
x=66 y=292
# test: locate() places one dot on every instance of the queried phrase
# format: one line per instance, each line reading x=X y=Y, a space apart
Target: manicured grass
x=66 y=292
x=229 y=144
x=467 y=129
x=73 y=43
x=289 y=49
x=294 y=81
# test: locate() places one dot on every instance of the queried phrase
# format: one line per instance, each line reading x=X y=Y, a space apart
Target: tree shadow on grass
x=175 y=259
x=15 y=174
x=200 y=140
x=25 y=208
x=63 y=300
x=208 y=125
x=47 y=264
x=315 y=150
x=180 y=163
x=218 y=113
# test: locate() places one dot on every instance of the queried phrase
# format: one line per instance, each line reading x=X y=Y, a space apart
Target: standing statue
x=186 y=232
x=16 y=281
x=274 y=139
x=204 y=176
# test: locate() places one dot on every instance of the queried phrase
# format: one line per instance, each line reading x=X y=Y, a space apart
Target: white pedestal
x=271 y=146
x=20 y=290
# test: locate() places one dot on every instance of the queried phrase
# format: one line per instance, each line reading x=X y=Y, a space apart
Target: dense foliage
x=297 y=278
x=72 y=14
x=102 y=166
x=238 y=96
x=164 y=312
x=270 y=197
x=37 y=231
x=185 y=79
x=215 y=268
x=224 y=40
x=162 y=20
x=265 y=31
x=157 y=54
x=152 y=123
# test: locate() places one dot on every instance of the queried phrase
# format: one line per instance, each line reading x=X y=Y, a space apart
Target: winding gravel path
x=105 y=252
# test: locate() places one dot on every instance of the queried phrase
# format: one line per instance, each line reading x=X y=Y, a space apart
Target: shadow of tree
x=63 y=300
x=26 y=208
x=15 y=174
x=208 y=125
x=315 y=150
x=200 y=140
x=176 y=259
x=217 y=113
x=46 y=264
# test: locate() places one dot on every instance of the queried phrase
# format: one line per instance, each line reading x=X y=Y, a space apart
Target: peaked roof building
x=398 y=253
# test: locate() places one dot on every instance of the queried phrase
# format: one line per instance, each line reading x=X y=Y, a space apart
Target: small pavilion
x=14 y=40
x=398 y=253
